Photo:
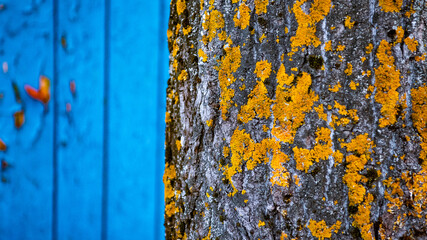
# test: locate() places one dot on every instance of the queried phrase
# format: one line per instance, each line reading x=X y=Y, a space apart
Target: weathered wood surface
x=89 y=164
x=296 y=120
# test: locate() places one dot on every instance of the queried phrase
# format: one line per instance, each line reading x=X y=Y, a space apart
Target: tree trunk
x=296 y=120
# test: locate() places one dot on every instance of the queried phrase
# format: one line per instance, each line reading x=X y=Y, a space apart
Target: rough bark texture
x=296 y=120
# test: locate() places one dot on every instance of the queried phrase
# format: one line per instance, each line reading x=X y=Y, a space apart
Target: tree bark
x=296 y=120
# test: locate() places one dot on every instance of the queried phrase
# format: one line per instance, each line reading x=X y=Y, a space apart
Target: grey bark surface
x=204 y=207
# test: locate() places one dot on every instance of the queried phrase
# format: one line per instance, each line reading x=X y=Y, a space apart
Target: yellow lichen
x=348 y=23
x=336 y=88
x=183 y=75
x=349 y=69
x=369 y=48
x=180 y=6
x=226 y=151
x=258 y=104
x=419 y=118
x=321 y=113
x=292 y=102
x=352 y=85
x=390 y=5
x=361 y=148
x=328 y=46
x=306 y=32
x=321 y=231
x=209 y=122
x=245 y=150
x=169 y=174
x=213 y=22
x=387 y=82
x=411 y=44
x=203 y=55
x=261 y=6
x=187 y=30
x=340 y=48
x=399 y=33
x=262 y=38
x=280 y=173
x=228 y=65
x=304 y=158
x=261 y=223
x=263 y=69
x=178 y=144
x=168 y=117
x=242 y=17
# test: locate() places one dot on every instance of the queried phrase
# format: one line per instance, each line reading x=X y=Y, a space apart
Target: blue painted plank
x=26 y=38
x=80 y=127
x=133 y=116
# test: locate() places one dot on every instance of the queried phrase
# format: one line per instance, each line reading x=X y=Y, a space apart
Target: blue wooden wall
x=95 y=171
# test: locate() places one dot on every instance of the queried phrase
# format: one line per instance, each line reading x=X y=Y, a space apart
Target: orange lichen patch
x=328 y=46
x=390 y=5
x=263 y=69
x=387 y=82
x=421 y=58
x=226 y=151
x=262 y=38
x=187 y=30
x=208 y=237
x=291 y=104
x=209 y=122
x=348 y=23
x=171 y=209
x=228 y=65
x=168 y=176
x=261 y=223
x=304 y=158
x=363 y=59
x=261 y=6
x=370 y=91
x=417 y=185
x=321 y=231
x=369 y=48
x=411 y=44
x=349 y=69
x=183 y=75
x=265 y=128
x=175 y=48
x=419 y=118
x=306 y=32
x=3 y=146
x=203 y=55
x=19 y=118
x=296 y=180
x=338 y=157
x=286 y=30
x=321 y=113
x=348 y=115
x=214 y=21
x=281 y=175
x=340 y=48
x=242 y=17
x=283 y=236
x=258 y=104
x=336 y=88
x=353 y=85
x=244 y=149
x=399 y=33
x=393 y=185
x=168 y=117
x=362 y=219
x=43 y=93
x=361 y=148
x=180 y=6
x=178 y=145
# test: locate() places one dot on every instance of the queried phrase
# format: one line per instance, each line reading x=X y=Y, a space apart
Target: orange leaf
x=3 y=146
x=19 y=118
x=32 y=92
x=43 y=93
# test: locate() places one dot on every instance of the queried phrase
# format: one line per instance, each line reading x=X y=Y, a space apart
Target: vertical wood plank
x=133 y=119
x=26 y=38
x=80 y=127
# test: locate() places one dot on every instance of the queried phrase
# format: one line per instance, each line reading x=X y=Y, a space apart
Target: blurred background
x=82 y=106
